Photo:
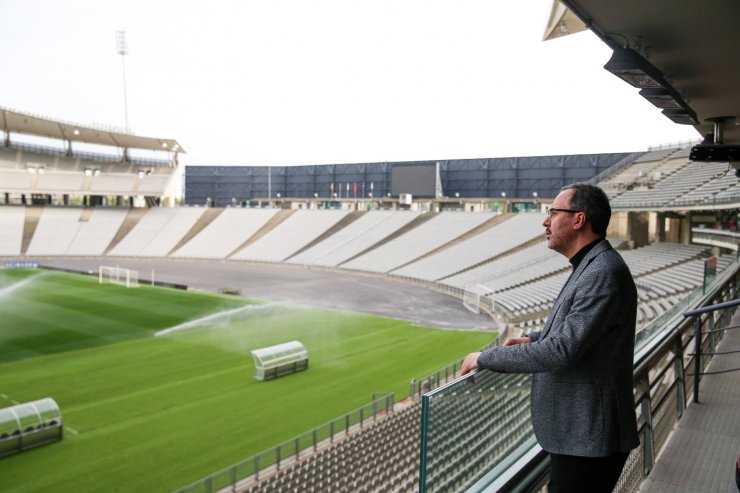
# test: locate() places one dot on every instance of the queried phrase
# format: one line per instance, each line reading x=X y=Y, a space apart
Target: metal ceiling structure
x=25 y=123
x=696 y=45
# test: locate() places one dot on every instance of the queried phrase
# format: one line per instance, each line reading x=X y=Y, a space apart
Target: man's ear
x=580 y=221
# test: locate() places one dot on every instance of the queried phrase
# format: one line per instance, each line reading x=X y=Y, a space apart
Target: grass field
x=145 y=413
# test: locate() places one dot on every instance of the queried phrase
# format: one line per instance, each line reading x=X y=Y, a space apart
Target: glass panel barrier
x=667 y=320
x=469 y=427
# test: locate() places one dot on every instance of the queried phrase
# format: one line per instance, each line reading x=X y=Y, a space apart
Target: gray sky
x=285 y=82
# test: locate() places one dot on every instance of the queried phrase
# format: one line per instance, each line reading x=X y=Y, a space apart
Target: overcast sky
x=285 y=82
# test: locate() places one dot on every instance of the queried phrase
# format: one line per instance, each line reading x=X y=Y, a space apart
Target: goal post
x=118 y=275
x=473 y=294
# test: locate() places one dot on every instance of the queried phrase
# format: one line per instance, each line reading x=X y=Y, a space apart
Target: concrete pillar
x=685 y=229
x=637 y=226
x=660 y=226
x=618 y=226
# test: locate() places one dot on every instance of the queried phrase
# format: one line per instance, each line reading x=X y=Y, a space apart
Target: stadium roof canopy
x=28 y=124
x=696 y=45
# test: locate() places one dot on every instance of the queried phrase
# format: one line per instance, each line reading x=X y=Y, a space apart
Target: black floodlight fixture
x=681 y=116
x=663 y=98
x=631 y=67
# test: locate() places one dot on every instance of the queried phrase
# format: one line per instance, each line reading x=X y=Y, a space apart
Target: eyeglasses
x=550 y=210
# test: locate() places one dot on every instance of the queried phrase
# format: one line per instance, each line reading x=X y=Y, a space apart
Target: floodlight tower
x=122 y=49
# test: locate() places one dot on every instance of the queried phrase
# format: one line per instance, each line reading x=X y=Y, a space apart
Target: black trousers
x=572 y=474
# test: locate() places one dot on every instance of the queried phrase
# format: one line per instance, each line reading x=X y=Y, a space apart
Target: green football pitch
x=154 y=413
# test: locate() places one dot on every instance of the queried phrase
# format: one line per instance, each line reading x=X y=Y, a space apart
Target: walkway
x=701 y=452
x=317 y=287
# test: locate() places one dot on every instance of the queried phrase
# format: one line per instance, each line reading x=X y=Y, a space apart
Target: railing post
x=648 y=453
x=697 y=358
x=680 y=377
x=233 y=479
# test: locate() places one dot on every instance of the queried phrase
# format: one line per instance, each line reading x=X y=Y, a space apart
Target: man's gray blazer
x=582 y=400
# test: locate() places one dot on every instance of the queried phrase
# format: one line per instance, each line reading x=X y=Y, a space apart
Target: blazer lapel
x=570 y=283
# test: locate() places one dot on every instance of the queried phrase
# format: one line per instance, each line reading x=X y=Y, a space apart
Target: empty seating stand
x=515 y=231
x=12 y=220
x=443 y=228
x=158 y=232
x=288 y=237
x=381 y=457
x=357 y=237
x=225 y=233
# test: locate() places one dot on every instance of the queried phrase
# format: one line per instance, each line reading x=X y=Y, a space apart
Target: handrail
x=715 y=232
x=711 y=308
x=92 y=156
x=697 y=339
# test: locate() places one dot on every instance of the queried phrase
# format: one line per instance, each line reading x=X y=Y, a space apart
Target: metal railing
x=663 y=387
x=713 y=333
x=670 y=204
x=716 y=237
x=679 y=144
x=91 y=156
x=289 y=451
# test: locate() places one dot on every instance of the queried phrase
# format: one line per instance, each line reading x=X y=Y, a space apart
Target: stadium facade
x=515 y=177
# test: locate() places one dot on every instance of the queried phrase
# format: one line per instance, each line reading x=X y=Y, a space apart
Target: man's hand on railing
x=469 y=364
x=517 y=340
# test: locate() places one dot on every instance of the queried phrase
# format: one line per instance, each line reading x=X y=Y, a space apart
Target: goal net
x=474 y=295
x=118 y=275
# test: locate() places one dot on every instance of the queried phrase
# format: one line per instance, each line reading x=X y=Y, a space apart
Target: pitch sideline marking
x=9 y=399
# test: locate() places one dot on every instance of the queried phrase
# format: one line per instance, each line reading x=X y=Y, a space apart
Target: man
x=583 y=410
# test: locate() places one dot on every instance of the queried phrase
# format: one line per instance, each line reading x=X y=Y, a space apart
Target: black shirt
x=576 y=259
